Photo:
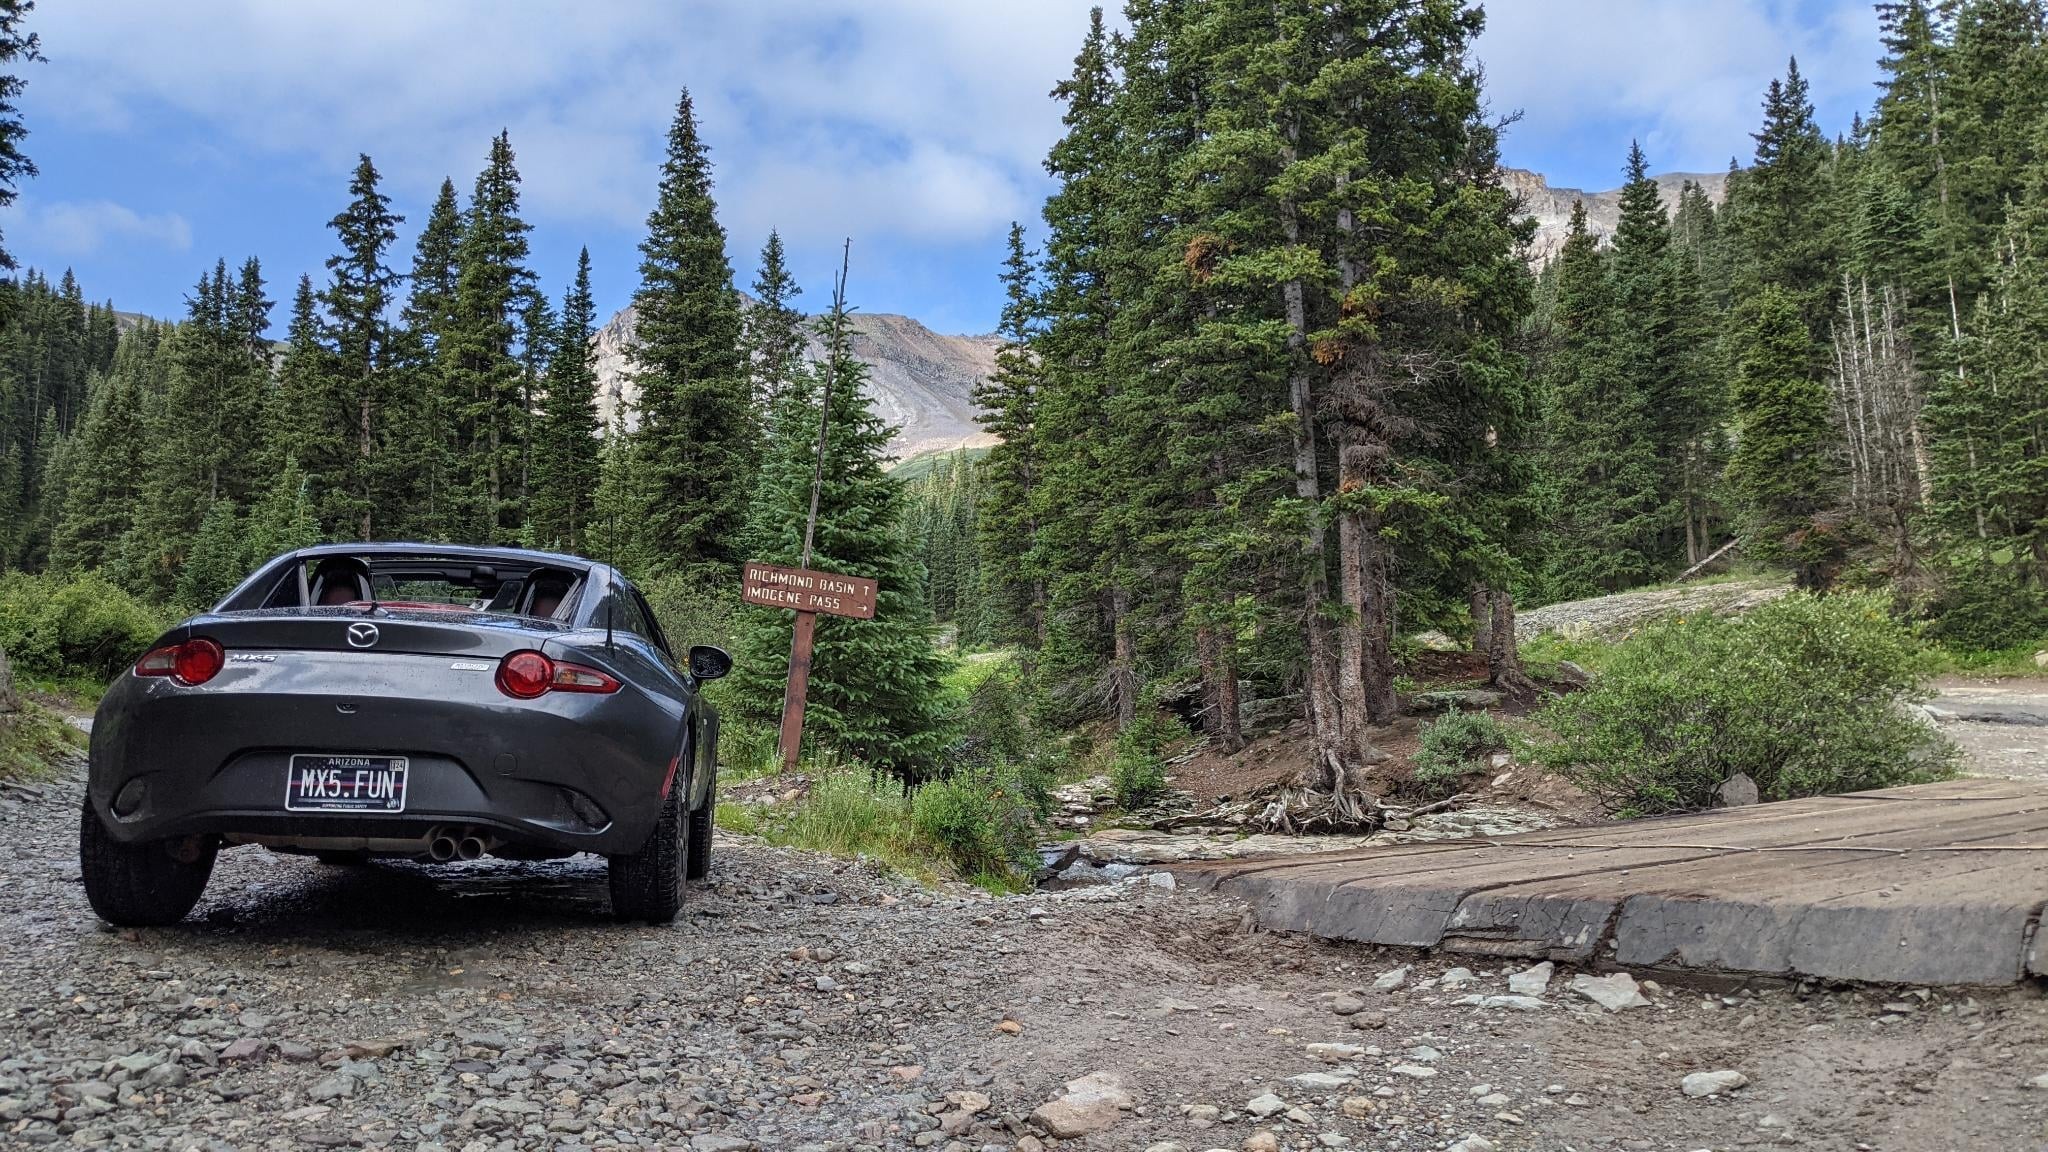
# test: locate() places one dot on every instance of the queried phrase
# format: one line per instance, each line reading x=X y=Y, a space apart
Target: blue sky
x=170 y=134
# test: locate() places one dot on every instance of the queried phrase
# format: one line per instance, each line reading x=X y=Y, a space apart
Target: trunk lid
x=397 y=631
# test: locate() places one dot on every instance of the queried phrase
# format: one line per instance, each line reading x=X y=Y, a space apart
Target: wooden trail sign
x=806 y=590
x=801 y=588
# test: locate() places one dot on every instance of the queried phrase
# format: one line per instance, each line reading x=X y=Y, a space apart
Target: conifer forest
x=1280 y=385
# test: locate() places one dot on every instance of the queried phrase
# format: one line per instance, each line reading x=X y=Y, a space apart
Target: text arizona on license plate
x=345 y=784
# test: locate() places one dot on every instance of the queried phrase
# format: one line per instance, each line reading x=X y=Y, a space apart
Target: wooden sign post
x=807 y=591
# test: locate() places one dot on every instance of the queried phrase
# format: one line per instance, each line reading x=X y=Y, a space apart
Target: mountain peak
x=921 y=382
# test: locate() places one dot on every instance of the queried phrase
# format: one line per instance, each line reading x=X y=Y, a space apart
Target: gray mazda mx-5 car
x=406 y=700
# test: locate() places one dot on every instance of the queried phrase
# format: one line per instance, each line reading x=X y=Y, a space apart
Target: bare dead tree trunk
x=1207 y=659
x=1480 y=602
x=1219 y=690
x=1229 y=723
x=1504 y=655
x=1123 y=669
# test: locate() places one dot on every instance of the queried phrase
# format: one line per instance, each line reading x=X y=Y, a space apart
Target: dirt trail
x=806 y=1003
x=2001 y=725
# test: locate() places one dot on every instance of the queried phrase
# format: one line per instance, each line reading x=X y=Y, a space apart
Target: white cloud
x=83 y=227
x=925 y=118
x=1689 y=77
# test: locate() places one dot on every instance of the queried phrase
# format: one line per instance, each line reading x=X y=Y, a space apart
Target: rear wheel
x=701 y=820
x=648 y=884
x=153 y=882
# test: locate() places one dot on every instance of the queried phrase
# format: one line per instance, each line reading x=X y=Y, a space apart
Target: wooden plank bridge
x=1932 y=884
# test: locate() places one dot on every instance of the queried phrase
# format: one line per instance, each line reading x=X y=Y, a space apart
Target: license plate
x=345 y=784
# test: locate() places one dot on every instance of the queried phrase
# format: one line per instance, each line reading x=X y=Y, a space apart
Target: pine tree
x=215 y=561
x=203 y=437
x=566 y=443
x=1008 y=399
x=103 y=478
x=774 y=328
x=1668 y=339
x=351 y=412
x=614 y=508
x=16 y=47
x=1600 y=460
x=697 y=439
x=876 y=688
x=295 y=424
x=1780 y=210
x=429 y=435
x=1781 y=472
x=282 y=518
x=483 y=377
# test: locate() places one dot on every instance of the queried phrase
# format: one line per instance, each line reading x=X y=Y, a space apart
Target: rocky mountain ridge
x=923 y=381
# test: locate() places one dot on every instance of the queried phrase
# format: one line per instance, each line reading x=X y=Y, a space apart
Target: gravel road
x=802 y=1002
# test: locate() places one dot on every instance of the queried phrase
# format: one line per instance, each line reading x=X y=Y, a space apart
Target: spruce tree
x=429 y=436
x=697 y=439
x=282 y=518
x=103 y=479
x=351 y=413
x=298 y=423
x=614 y=508
x=1008 y=399
x=1600 y=460
x=1781 y=473
x=203 y=444
x=774 y=327
x=1668 y=338
x=215 y=560
x=876 y=686
x=483 y=377
x=566 y=443
x=1781 y=210
x=16 y=47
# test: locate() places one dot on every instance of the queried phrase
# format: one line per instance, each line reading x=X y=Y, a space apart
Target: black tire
x=701 y=820
x=141 y=885
x=648 y=884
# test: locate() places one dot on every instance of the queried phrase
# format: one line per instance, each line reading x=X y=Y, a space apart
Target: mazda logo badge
x=362 y=635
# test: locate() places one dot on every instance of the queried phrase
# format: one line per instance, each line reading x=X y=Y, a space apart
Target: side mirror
x=708 y=663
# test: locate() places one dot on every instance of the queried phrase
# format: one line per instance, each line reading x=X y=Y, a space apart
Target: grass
x=847 y=814
x=34 y=743
x=1541 y=656
x=2017 y=660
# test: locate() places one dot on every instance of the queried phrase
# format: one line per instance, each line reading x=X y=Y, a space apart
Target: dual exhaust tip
x=455 y=844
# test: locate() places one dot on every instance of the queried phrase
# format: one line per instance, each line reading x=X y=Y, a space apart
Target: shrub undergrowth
x=1806 y=695
x=1454 y=746
x=81 y=627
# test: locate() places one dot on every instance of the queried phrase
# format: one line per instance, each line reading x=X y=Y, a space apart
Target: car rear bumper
x=563 y=773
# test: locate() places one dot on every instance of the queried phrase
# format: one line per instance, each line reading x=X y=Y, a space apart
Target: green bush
x=81 y=627
x=1806 y=695
x=1984 y=606
x=984 y=820
x=1138 y=772
x=1454 y=746
x=692 y=613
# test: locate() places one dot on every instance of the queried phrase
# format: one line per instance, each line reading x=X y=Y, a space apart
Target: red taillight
x=525 y=675
x=192 y=663
x=528 y=674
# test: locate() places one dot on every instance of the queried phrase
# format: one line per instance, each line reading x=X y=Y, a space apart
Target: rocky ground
x=2001 y=725
x=808 y=1003
x=1619 y=616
